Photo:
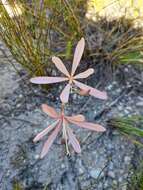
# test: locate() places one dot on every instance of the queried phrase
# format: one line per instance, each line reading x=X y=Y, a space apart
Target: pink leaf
x=98 y=94
x=93 y=91
x=45 y=131
x=47 y=80
x=60 y=66
x=65 y=93
x=84 y=92
x=78 y=118
x=50 y=111
x=84 y=74
x=77 y=55
x=74 y=142
x=88 y=125
x=50 y=140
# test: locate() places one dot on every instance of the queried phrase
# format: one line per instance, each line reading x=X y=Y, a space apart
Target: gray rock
x=127 y=159
x=95 y=172
x=111 y=174
x=105 y=160
x=140 y=104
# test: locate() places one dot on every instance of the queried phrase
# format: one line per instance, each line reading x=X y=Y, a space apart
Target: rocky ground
x=106 y=159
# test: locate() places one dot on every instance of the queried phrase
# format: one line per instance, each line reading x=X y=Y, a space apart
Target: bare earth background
x=107 y=159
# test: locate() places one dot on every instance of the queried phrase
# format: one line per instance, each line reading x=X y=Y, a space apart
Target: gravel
x=106 y=158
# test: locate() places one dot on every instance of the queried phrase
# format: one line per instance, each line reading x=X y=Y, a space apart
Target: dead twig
x=8 y=119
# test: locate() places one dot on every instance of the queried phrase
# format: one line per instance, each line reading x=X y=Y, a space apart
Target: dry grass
x=42 y=30
x=36 y=30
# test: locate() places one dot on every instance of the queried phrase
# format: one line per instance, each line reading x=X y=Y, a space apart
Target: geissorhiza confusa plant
x=62 y=123
x=71 y=77
x=61 y=120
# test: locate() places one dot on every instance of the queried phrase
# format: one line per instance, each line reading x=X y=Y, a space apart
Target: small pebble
x=140 y=104
x=95 y=173
x=111 y=174
x=127 y=159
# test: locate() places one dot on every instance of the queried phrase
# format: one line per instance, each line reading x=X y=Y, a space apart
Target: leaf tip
x=35 y=140
x=32 y=80
x=82 y=40
x=54 y=58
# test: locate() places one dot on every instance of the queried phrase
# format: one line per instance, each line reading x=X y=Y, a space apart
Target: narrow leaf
x=60 y=66
x=77 y=55
x=50 y=111
x=92 y=91
x=84 y=74
x=47 y=80
x=78 y=118
x=65 y=93
x=45 y=131
x=50 y=140
x=74 y=142
x=88 y=125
